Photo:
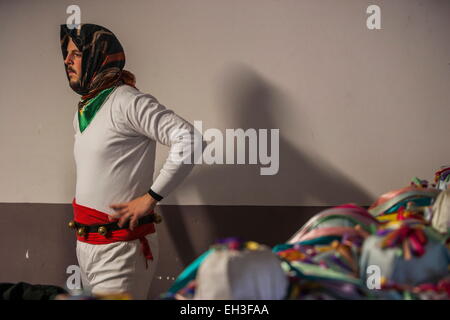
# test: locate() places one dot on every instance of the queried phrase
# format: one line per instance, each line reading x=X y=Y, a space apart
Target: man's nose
x=68 y=60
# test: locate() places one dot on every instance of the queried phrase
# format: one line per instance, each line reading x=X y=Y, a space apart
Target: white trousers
x=118 y=267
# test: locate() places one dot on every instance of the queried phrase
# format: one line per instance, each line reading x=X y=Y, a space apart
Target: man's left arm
x=146 y=116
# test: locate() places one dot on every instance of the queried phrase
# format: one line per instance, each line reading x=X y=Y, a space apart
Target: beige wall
x=360 y=112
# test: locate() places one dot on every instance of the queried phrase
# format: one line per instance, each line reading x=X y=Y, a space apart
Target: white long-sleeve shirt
x=115 y=154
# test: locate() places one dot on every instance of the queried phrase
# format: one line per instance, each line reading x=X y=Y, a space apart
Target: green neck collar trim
x=87 y=113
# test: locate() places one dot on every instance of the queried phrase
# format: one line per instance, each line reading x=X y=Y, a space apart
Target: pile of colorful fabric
x=398 y=248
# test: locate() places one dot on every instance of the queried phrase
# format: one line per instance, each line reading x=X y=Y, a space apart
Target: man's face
x=73 y=64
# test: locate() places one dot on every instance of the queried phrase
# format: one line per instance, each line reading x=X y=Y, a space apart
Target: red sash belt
x=89 y=216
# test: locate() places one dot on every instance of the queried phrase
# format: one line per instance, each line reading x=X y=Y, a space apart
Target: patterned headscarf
x=103 y=59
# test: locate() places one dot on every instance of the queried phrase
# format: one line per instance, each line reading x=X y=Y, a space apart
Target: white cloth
x=241 y=275
x=118 y=267
x=115 y=154
x=441 y=212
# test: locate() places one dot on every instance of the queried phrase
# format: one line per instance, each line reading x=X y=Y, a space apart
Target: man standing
x=116 y=130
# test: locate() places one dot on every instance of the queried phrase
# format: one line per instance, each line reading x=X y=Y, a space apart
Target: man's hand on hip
x=133 y=210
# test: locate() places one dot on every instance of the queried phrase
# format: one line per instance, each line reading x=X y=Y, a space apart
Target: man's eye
x=77 y=54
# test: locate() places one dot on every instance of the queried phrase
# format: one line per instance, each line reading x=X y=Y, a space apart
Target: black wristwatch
x=154 y=195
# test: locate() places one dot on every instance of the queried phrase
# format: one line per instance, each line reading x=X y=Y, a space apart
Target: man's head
x=93 y=59
x=73 y=65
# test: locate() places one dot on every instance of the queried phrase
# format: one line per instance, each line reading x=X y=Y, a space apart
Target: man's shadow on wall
x=252 y=102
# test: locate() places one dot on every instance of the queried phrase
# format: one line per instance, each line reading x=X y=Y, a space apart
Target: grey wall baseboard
x=37 y=246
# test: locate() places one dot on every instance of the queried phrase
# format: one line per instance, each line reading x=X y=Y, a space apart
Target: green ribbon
x=88 y=112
